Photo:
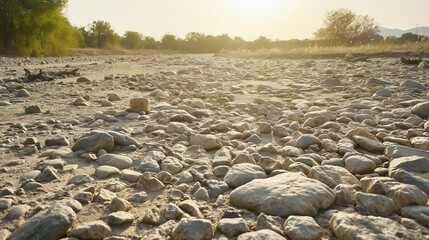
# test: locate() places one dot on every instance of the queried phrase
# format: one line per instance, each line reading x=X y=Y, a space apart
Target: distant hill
x=398 y=32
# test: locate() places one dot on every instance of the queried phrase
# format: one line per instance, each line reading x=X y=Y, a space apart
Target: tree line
x=38 y=27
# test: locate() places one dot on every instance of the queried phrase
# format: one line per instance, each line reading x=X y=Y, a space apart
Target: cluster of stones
x=241 y=158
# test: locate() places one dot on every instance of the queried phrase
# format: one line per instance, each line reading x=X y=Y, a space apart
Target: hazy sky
x=276 y=19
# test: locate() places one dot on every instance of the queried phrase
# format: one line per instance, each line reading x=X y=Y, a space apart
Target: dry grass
x=375 y=50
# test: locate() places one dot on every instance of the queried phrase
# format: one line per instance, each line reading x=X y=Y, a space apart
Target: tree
x=101 y=35
x=169 y=41
x=132 y=40
x=344 y=26
x=150 y=43
x=34 y=27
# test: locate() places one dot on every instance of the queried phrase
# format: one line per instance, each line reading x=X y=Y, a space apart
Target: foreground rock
x=283 y=195
x=92 y=230
x=411 y=170
x=53 y=223
x=350 y=226
x=261 y=235
x=190 y=228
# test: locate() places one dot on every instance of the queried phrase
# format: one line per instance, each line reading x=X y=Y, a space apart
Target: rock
x=273 y=223
x=17 y=212
x=191 y=228
x=376 y=204
x=6 y=203
x=398 y=151
x=406 y=194
x=58 y=141
x=83 y=80
x=420 y=143
x=412 y=85
x=119 y=204
x=150 y=183
x=130 y=175
x=191 y=208
x=333 y=175
x=122 y=139
x=95 y=142
x=80 y=102
x=84 y=197
x=208 y=142
x=290 y=151
x=359 y=164
x=273 y=195
x=120 y=217
x=91 y=230
x=4 y=234
x=261 y=235
x=103 y=172
x=243 y=158
x=80 y=179
x=306 y=140
x=354 y=226
x=412 y=170
x=140 y=105
x=48 y=174
x=152 y=216
x=369 y=144
x=22 y=93
x=232 y=226
x=419 y=213
x=421 y=109
x=115 y=160
x=33 y=109
x=302 y=228
x=242 y=173
x=52 y=223
x=113 y=97
x=171 y=165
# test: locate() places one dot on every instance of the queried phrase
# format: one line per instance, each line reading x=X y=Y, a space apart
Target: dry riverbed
x=210 y=147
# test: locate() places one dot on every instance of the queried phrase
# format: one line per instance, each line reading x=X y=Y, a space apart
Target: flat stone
x=421 y=109
x=419 y=213
x=412 y=170
x=354 y=226
x=333 y=175
x=376 y=204
x=274 y=195
x=243 y=173
x=261 y=235
x=91 y=230
x=115 y=160
x=208 y=141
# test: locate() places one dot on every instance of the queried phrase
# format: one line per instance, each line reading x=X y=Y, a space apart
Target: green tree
x=101 y=35
x=151 y=43
x=34 y=27
x=132 y=40
x=169 y=41
x=344 y=26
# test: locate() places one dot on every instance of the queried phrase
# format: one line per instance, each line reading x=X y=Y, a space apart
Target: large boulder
x=95 y=142
x=351 y=226
x=283 y=195
x=140 y=104
x=411 y=170
x=53 y=223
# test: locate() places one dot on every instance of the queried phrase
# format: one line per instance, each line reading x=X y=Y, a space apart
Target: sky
x=275 y=19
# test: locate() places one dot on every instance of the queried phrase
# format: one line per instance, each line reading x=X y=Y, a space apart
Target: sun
x=255 y=10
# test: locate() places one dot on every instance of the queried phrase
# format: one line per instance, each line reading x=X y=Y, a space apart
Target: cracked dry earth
x=209 y=147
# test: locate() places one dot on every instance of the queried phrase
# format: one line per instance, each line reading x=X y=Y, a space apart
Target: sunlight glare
x=255 y=10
